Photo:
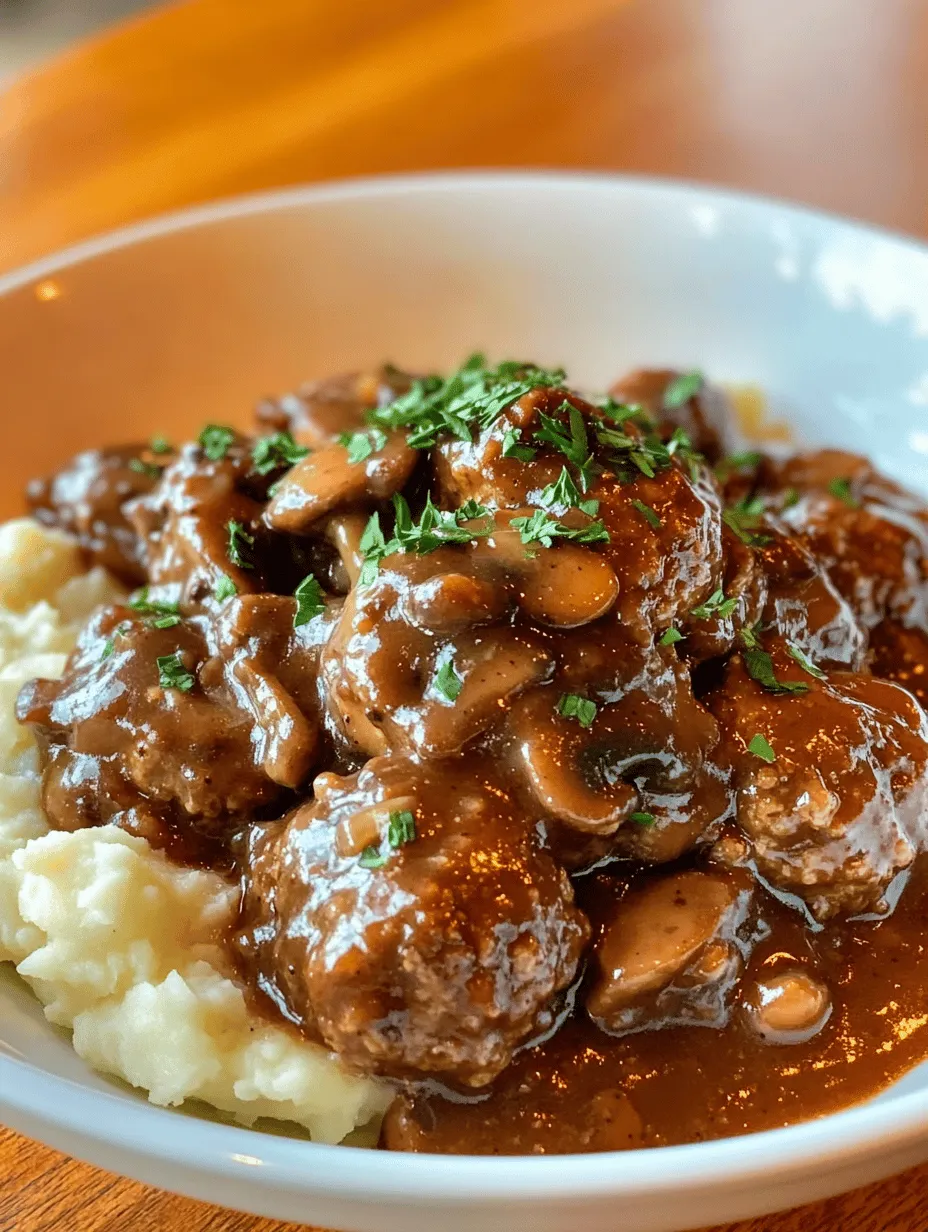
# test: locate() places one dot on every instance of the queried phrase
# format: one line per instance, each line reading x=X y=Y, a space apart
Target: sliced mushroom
x=548 y=749
x=326 y=480
x=569 y=586
x=788 y=1008
x=285 y=741
x=493 y=668
x=671 y=953
x=450 y=602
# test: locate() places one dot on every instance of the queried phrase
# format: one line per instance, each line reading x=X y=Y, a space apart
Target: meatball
x=901 y=654
x=88 y=499
x=201 y=526
x=870 y=535
x=671 y=952
x=190 y=721
x=661 y=511
x=411 y=917
x=832 y=783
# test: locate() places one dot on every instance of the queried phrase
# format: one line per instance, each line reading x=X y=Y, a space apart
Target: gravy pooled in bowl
x=573 y=768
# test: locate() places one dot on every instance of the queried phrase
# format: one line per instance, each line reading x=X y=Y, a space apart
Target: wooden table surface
x=825 y=101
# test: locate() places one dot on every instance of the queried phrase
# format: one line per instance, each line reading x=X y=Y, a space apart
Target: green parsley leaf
x=172 y=674
x=309 y=601
x=561 y=495
x=682 y=388
x=224 y=589
x=270 y=453
x=790 y=498
x=540 y=527
x=148 y=469
x=760 y=747
x=473 y=395
x=165 y=622
x=738 y=462
x=715 y=605
x=110 y=644
x=760 y=668
x=361 y=445
x=401 y=828
x=435 y=527
x=573 y=706
x=447 y=682
x=570 y=440
x=372 y=857
x=805 y=663
x=145 y=605
x=513 y=449
x=841 y=488
x=622 y=412
x=240 y=541
x=643 y=819
x=215 y=441
x=744 y=518
x=160 y=444
x=670 y=637
x=647 y=513
x=373 y=548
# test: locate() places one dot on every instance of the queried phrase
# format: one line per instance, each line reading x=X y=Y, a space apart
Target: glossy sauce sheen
x=596 y=817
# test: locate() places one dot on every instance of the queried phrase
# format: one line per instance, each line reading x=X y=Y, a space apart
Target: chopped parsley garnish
x=147 y=606
x=790 y=498
x=570 y=440
x=474 y=395
x=110 y=644
x=165 y=622
x=643 y=819
x=682 y=388
x=841 y=488
x=372 y=857
x=309 y=601
x=670 y=636
x=373 y=548
x=738 y=462
x=435 y=527
x=240 y=543
x=215 y=441
x=760 y=747
x=647 y=513
x=744 y=518
x=148 y=469
x=401 y=828
x=447 y=682
x=715 y=605
x=573 y=706
x=172 y=674
x=648 y=453
x=224 y=589
x=361 y=445
x=804 y=662
x=760 y=668
x=160 y=444
x=512 y=448
x=542 y=528
x=622 y=412
x=273 y=452
x=564 y=494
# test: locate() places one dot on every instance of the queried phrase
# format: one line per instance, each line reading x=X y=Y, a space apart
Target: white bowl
x=193 y=316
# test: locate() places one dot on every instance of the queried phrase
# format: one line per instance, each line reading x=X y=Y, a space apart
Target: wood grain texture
x=824 y=101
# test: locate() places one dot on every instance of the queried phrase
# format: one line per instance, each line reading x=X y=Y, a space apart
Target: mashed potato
x=119 y=944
